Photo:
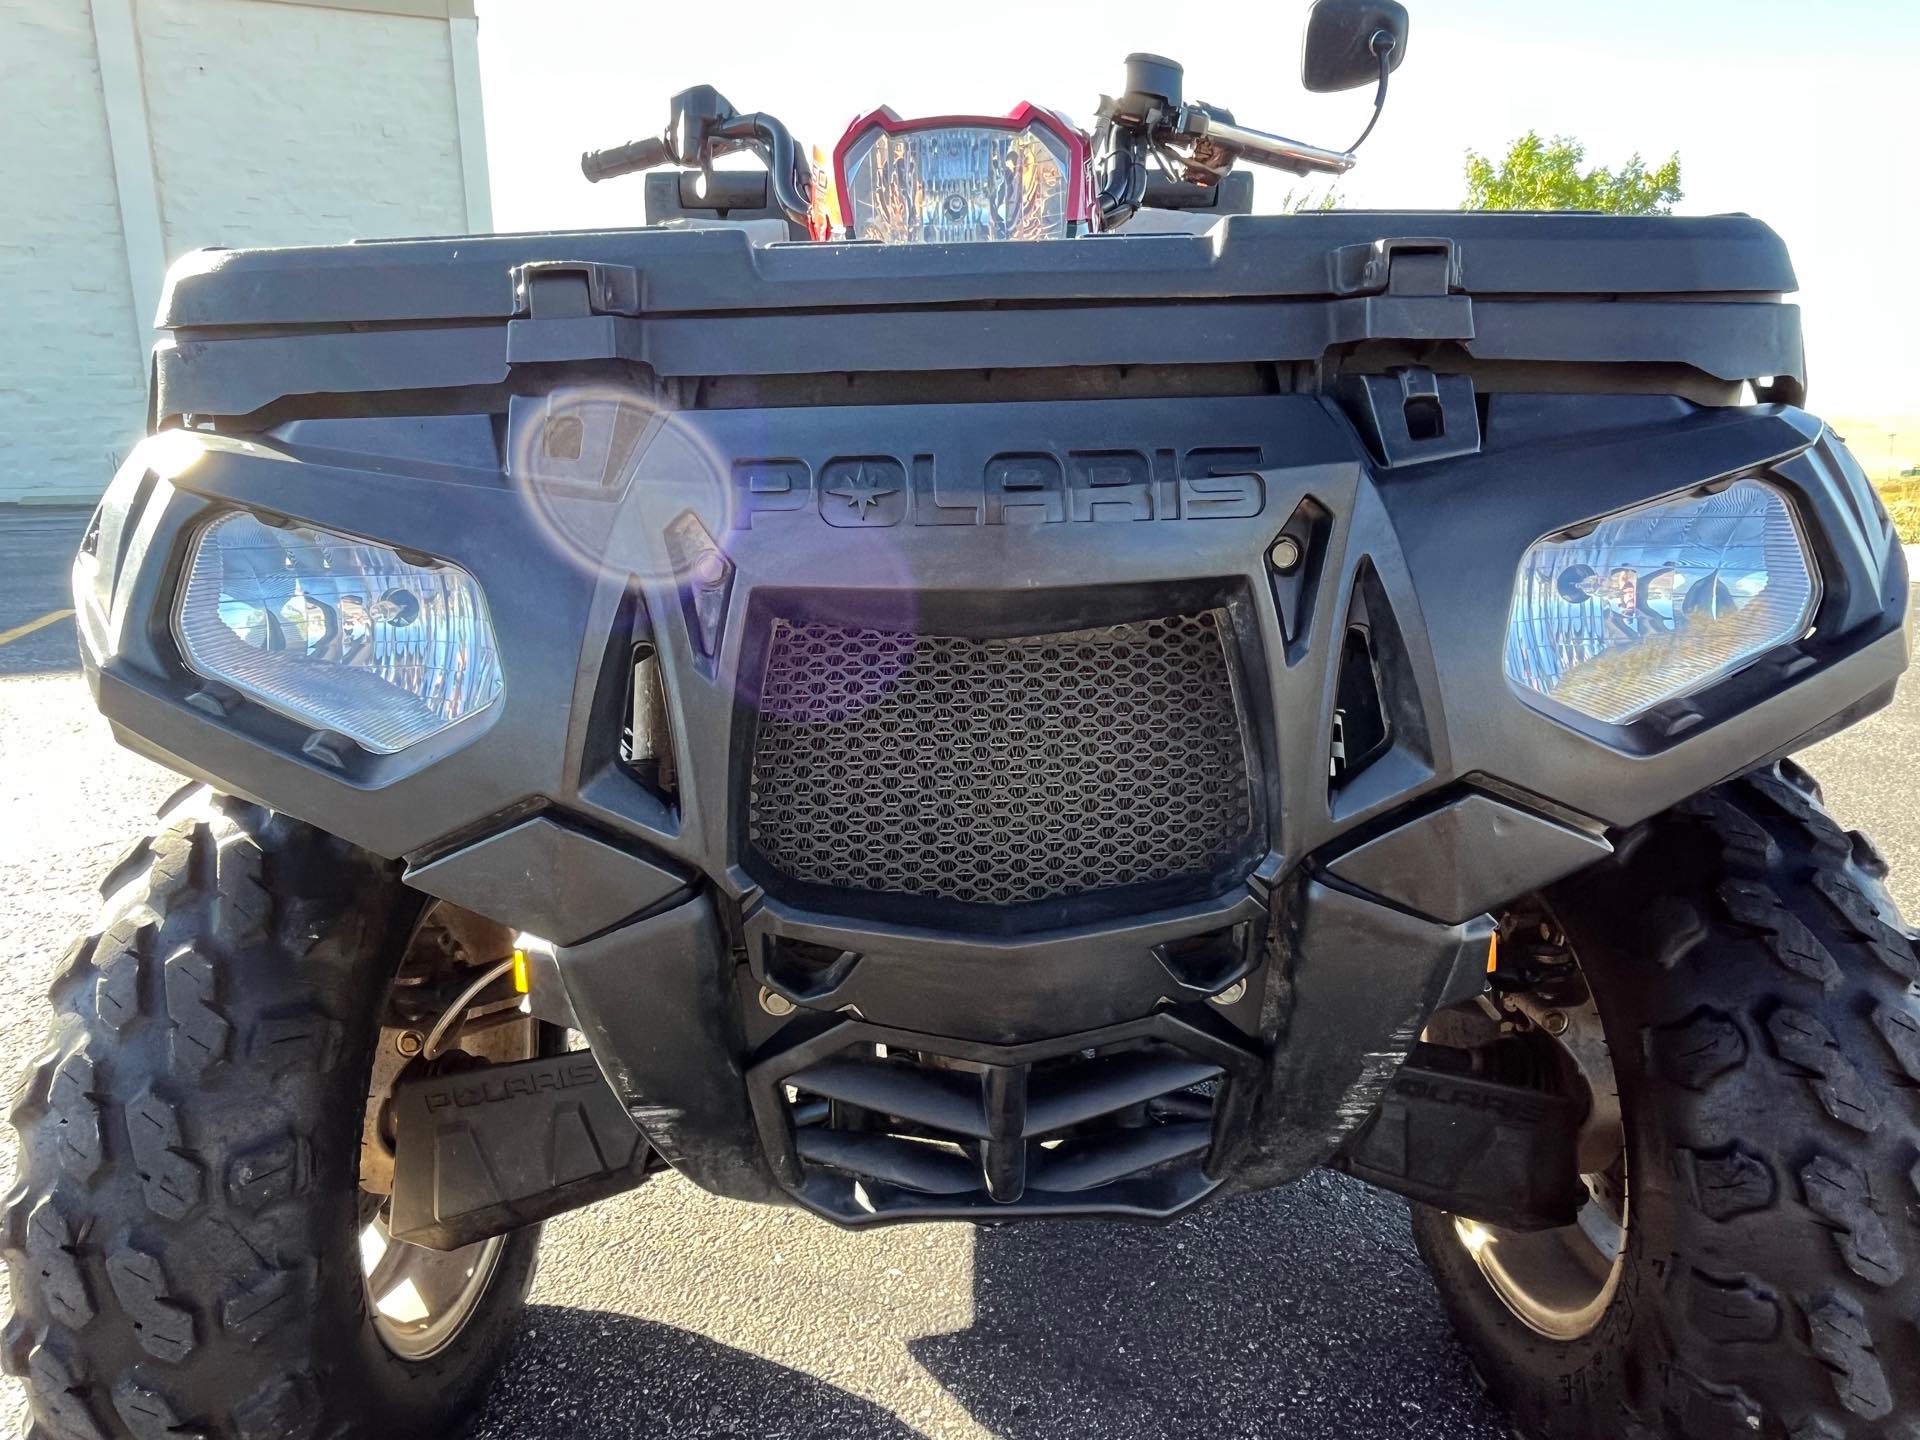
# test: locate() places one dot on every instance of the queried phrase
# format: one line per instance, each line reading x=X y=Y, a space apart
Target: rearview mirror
x=1345 y=39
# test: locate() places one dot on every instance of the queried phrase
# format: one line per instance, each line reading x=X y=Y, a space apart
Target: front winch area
x=868 y=1126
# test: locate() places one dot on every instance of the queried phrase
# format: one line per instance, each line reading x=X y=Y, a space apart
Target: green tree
x=1542 y=174
x=1299 y=202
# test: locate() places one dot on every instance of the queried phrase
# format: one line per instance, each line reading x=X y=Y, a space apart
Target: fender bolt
x=774 y=1003
x=1233 y=994
x=1554 y=1023
x=410 y=1042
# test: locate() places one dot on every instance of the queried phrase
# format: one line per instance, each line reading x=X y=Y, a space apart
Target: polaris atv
x=891 y=692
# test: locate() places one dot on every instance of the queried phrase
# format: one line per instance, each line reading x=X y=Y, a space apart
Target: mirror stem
x=1382 y=45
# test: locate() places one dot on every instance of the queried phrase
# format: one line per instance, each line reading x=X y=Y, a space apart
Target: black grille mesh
x=999 y=771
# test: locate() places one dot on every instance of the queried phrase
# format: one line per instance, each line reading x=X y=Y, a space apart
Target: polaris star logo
x=862 y=490
x=1015 y=487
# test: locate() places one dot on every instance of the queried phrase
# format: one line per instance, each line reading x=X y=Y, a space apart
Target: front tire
x=1759 y=1001
x=183 y=1239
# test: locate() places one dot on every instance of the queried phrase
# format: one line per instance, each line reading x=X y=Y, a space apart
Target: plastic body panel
x=1499 y=1154
x=1702 y=294
x=554 y=881
x=1443 y=574
x=602 y=503
x=468 y=277
x=466 y=1170
x=1201 y=489
x=1494 y=848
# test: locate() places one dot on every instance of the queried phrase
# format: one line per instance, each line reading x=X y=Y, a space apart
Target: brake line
x=459 y=1007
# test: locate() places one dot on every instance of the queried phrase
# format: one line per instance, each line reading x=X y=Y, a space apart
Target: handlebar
x=1197 y=143
x=790 y=180
x=1260 y=148
x=704 y=127
x=1190 y=141
x=598 y=165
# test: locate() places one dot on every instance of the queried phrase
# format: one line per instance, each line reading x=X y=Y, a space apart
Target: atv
x=891 y=691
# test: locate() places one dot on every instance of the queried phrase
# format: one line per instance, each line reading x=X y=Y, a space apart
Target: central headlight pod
x=962 y=178
x=1660 y=601
x=337 y=632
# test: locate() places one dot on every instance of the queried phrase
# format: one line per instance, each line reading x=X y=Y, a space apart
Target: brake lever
x=1195 y=122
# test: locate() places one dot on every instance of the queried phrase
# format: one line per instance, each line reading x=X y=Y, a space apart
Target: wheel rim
x=420 y=1299
x=1560 y=1283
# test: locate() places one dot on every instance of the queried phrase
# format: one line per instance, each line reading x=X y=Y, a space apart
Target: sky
x=1801 y=113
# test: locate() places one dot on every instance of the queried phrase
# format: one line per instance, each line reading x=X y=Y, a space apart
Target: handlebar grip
x=598 y=165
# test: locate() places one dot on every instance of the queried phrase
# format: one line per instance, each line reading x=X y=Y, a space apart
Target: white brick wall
x=72 y=390
x=271 y=124
x=288 y=124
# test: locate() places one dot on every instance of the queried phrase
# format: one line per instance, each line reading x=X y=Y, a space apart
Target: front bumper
x=1359 y=906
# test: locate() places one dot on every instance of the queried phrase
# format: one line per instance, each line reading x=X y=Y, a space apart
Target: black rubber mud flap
x=1502 y=1154
x=489 y=1150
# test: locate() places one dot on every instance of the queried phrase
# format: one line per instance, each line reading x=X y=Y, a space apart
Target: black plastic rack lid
x=1247 y=257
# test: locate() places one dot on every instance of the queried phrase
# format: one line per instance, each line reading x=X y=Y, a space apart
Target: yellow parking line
x=7 y=637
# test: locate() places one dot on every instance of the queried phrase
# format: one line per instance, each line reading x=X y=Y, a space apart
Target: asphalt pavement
x=36 y=625
x=1301 y=1313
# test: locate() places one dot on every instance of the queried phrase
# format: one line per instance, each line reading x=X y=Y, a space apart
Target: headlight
x=1660 y=601
x=940 y=181
x=337 y=632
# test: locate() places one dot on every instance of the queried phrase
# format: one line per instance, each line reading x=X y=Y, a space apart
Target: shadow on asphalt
x=594 y=1375
x=1302 y=1314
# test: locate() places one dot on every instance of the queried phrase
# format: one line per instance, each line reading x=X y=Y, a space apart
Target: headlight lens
x=1660 y=601
x=957 y=182
x=337 y=632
